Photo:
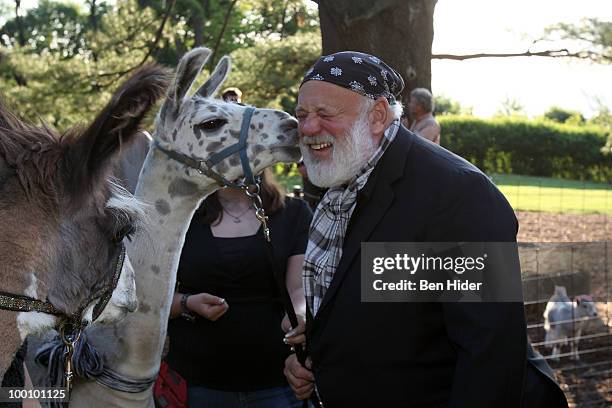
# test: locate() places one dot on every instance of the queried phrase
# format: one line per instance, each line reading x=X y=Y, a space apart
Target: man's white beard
x=349 y=155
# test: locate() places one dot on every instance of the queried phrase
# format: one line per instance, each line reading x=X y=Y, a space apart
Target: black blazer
x=423 y=354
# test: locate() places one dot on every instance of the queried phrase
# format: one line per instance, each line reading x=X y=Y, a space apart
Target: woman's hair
x=272 y=196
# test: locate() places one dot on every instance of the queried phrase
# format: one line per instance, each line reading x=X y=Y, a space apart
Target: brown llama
x=63 y=218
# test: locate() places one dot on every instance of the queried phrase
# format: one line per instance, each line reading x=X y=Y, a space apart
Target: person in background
x=232 y=95
x=421 y=107
x=227 y=327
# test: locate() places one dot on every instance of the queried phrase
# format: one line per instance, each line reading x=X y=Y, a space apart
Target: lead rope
x=70 y=340
x=253 y=192
x=69 y=345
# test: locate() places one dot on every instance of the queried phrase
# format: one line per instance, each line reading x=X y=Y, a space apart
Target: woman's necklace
x=236 y=218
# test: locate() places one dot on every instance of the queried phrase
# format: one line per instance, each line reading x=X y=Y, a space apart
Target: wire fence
x=565 y=238
x=580 y=351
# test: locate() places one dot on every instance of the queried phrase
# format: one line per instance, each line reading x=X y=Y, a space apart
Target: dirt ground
x=588 y=381
x=552 y=227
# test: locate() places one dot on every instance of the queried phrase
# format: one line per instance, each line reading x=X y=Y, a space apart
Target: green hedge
x=529 y=147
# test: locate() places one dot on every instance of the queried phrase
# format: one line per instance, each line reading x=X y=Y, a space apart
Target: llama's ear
x=217 y=78
x=188 y=69
x=117 y=123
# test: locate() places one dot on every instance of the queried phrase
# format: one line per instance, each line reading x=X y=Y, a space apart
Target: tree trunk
x=215 y=51
x=20 y=34
x=398 y=31
x=198 y=29
x=283 y=17
x=93 y=15
x=93 y=21
x=197 y=23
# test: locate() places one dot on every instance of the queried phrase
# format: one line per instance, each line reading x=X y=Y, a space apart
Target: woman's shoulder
x=296 y=205
x=294 y=208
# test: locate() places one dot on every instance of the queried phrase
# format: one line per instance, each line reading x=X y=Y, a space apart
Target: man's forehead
x=319 y=95
x=313 y=105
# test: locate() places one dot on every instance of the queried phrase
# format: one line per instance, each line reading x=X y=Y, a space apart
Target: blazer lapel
x=372 y=204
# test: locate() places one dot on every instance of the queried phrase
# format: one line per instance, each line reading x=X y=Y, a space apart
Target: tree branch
x=562 y=53
x=159 y=33
x=151 y=49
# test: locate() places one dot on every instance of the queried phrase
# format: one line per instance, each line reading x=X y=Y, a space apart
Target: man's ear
x=380 y=116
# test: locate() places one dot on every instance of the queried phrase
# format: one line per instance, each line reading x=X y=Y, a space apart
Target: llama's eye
x=211 y=124
x=125 y=232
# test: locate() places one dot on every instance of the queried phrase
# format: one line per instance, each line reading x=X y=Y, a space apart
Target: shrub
x=561 y=115
x=529 y=147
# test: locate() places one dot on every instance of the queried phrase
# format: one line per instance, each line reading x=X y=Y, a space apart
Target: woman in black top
x=232 y=352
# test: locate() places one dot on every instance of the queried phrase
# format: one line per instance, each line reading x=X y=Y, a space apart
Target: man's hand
x=294 y=336
x=300 y=378
x=207 y=305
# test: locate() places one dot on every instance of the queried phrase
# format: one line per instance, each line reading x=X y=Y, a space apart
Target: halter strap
x=23 y=303
x=106 y=296
x=205 y=166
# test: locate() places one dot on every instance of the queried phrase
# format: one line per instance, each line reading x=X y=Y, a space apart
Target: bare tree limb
x=561 y=53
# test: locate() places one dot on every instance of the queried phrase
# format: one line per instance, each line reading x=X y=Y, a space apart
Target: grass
x=527 y=193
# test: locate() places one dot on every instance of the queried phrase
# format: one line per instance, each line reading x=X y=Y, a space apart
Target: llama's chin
x=112 y=314
x=123 y=300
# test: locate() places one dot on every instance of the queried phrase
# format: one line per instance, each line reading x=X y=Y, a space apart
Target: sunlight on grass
x=555 y=195
x=525 y=193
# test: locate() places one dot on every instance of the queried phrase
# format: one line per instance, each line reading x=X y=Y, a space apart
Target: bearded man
x=388 y=185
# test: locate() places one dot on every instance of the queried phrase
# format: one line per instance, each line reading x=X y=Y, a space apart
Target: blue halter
x=239 y=147
x=205 y=166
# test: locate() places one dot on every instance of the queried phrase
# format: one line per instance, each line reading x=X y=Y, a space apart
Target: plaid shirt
x=328 y=227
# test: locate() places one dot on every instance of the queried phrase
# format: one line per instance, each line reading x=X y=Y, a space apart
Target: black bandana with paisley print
x=362 y=73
